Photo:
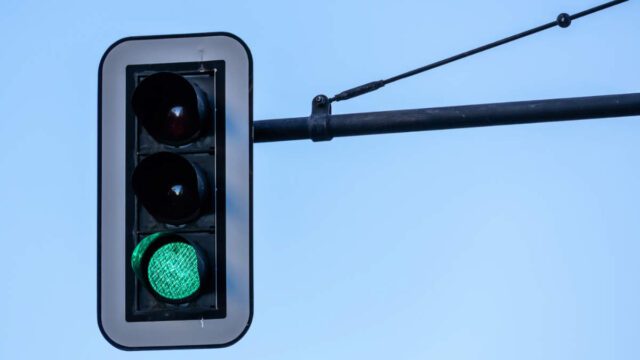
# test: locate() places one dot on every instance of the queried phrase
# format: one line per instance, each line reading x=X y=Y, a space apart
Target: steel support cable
x=563 y=20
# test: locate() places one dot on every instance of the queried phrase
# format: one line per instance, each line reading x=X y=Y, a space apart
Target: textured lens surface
x=173 y=271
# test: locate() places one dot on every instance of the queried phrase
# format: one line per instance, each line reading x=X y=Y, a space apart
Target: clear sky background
x=517 y=242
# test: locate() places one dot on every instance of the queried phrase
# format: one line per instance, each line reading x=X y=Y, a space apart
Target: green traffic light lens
x=171 y=267
x=173 y=271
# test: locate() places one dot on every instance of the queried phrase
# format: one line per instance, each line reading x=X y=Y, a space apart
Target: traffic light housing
x=175 y=206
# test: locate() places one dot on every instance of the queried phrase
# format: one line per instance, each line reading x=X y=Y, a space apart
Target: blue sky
x=495 y=243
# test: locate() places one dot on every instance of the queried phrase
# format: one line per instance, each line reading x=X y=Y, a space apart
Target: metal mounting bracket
x=318 y=122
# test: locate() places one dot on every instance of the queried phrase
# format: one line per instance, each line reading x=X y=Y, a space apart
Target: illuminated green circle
x=173 y=271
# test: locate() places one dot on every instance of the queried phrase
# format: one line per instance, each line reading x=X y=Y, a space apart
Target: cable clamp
x=319 y=126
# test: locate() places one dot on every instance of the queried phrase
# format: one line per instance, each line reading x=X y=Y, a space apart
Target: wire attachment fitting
x=564 y=20
x=358 y=90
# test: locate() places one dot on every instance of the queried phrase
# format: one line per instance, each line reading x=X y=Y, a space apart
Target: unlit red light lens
x=178 y=124
x=172 y=110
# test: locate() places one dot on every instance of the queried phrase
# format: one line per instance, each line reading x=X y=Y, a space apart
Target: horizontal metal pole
x=453 y=117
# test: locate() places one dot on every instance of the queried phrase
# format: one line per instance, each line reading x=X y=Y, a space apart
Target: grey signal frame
x=173 y=334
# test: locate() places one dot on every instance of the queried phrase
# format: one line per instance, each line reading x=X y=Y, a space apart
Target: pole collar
x=319 y=120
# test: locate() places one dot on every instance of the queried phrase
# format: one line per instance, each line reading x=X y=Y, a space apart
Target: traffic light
x=175 y=202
